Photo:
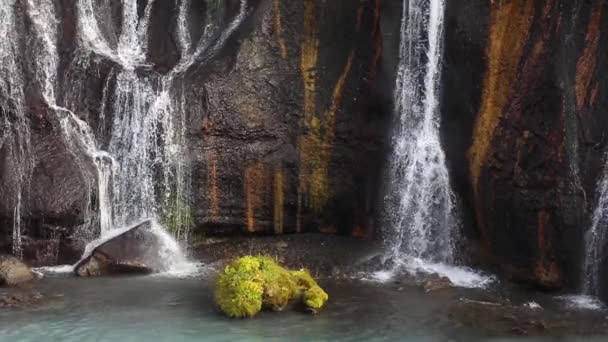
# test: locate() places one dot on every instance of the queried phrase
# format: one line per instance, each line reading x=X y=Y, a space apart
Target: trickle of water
x=15 y=135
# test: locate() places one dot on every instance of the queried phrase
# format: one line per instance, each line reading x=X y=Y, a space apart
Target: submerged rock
x=437 y=284
x=20 y=299
x=131 y=250
x=13 y=271
x=29 y=299
x=250 y=284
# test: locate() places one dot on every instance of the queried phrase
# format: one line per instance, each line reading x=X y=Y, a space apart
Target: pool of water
x=153 y=308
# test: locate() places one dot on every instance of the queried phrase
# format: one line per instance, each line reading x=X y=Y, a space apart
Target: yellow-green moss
x=315 y=297
x=312 y=294
x=249 y=284
x=240 y=287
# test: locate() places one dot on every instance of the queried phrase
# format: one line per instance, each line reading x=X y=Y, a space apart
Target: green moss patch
x=252 y=283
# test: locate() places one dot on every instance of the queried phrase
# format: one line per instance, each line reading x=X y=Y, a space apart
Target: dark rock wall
x=290 y=136
x=532 y=128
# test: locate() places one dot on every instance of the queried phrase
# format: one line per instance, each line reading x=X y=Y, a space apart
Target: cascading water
x=595 y=240
x=148 y=175
x=135 y=165
x=421 y=211
x=14 y=124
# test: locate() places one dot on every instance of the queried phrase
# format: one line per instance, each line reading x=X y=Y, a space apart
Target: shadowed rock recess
x=288 y=125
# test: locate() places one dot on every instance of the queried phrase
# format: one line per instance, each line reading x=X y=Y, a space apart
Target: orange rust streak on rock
x=376 y=24
x=308 y=68
x=360 y=12
x=509 y=30
x=214 y=197
x=377 y=42
x=276 y=6
x=377 y=55
x=316 y=143
x=361 y=233
x=585 y=66
x=279 y=201
x=328 y=230
x=336 y=101
x=546 y=270
x=255 y=185
x=309 y=58
x=543 y=216
x=316 y=148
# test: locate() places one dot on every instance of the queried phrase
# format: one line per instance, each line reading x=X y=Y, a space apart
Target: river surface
x=155 y=308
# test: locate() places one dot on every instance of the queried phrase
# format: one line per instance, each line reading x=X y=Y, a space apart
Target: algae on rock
x=252 y=283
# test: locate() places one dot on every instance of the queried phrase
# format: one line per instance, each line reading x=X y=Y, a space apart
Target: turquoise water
x=162 y=309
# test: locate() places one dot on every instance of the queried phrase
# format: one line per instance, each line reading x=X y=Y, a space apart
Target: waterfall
x=144 y=174
x=421 y=206
x=135 y=163
x=15 y=134
x=594 y=242
x=421 y=213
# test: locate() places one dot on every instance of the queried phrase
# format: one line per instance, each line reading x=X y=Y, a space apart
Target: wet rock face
x=289 y=135
x=533 y=112
x=133 y=251
x=13 y=271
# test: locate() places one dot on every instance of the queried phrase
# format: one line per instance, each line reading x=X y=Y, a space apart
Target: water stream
x=422 y=215
x=595 y=240
x=15 y=132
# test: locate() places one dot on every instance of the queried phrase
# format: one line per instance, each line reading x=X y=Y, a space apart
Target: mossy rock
x=252 y=283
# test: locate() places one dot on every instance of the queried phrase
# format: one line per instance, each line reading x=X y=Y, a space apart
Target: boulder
x=135 y=249
x=13 y=271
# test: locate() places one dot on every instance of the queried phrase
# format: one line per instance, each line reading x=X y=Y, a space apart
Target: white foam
x=582 y=302
x=460 y=276
x=533 y=305
x=53 y=270
x=382 y=276
x=185 y=270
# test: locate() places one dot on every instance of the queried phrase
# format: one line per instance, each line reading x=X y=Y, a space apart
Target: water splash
x=582 y=302
x=458 y=275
